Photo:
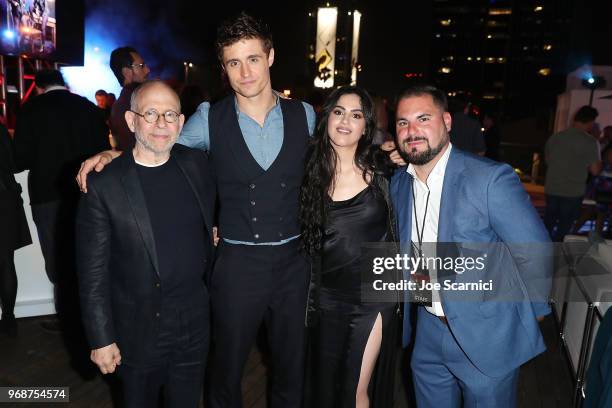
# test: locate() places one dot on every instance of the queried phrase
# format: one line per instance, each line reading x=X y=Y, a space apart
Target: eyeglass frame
x=141 y=65
x=158 y=115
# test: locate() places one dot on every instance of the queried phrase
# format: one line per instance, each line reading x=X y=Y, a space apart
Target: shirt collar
x=276 y=104
x=55 y=88
x=438 y=170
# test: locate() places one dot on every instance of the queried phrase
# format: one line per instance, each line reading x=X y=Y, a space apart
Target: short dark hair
x=438 y=96
x=242 y=27
x=586 y=114
x=48 y=77
x=101 y=92
x=121 y=58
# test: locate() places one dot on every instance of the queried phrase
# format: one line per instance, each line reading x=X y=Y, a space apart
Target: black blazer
x=116 y=257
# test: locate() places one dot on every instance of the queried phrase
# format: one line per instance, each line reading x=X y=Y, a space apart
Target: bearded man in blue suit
x=468 y=350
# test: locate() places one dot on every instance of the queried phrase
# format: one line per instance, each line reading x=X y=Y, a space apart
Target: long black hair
x=321 y=166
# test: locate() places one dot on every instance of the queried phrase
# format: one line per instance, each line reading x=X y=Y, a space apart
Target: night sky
x=395 y=37
x=170 y=32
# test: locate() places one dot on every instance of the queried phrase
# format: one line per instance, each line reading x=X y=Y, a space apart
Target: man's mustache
x=411 y=139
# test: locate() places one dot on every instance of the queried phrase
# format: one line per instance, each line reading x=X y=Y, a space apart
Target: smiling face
x=422 y=129
x=160 y=136
x=247 y=66
x=346 y=123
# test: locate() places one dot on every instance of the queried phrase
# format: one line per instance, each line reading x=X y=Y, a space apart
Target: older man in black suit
x=144 y=247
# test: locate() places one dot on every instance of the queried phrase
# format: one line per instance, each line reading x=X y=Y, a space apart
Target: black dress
x=345 y=322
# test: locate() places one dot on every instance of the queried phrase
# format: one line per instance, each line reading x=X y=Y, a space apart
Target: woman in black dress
x=344 y=203
x=14 y=233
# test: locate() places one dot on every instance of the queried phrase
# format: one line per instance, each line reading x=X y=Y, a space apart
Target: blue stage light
x=9 y=34
x=591 y=80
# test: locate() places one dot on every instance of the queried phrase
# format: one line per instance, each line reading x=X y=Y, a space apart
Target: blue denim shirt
x=264 y=143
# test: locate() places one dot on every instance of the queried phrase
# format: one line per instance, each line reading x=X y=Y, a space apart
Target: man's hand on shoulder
x=107 y=358
x=97 y=163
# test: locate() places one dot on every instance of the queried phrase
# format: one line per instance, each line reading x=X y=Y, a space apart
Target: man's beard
x=150 y=147
x=424 y=157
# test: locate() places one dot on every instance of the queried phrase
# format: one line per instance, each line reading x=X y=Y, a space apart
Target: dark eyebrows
x=423 y=115
x=352 y=110
x=248 y=57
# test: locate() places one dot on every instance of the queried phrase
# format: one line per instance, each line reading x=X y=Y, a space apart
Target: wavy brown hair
x=242 y=27
x=321 y=167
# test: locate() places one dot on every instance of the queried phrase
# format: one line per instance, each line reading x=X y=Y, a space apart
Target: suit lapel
x=138 y=205
x=194 y=178
x=450 y=190
x=402 y=194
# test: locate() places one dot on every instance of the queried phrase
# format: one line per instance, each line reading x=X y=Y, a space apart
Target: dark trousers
x=175 y=366
x=251 y=285
x=8 y=285
x=561 y=212
x=55 y=224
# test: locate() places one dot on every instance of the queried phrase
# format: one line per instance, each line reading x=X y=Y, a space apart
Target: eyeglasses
x=141 y=65
x=151 y=116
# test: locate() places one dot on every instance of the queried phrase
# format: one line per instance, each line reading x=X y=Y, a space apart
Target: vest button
x=157 y=314
x=280 y=234
x=254 y=219
x=256 y=236
x=280 y=218
x=252 y=202
x=157 y=285
x=283 y=185
x=252 y=186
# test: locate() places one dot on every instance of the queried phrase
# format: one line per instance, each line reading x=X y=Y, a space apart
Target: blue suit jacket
x=484 y=203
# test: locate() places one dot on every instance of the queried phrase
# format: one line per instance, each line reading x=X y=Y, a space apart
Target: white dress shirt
x=433 y=186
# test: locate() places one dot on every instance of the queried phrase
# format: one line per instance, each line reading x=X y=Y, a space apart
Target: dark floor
x=39 y=358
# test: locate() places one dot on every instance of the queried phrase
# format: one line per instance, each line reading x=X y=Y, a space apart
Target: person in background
x=101 y=97
x=102 y=103
x=606 y=138
x=130 y=70
x=15 y=233
x=55 y=131
x=492 y=136
x=381 y=133
x=110 y=100
x=570 y=156
x=466 y=133
x=600 y=192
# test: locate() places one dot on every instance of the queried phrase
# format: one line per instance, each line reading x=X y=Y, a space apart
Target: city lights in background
x=355 y=67
x=95 y=73
x=325 y=50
